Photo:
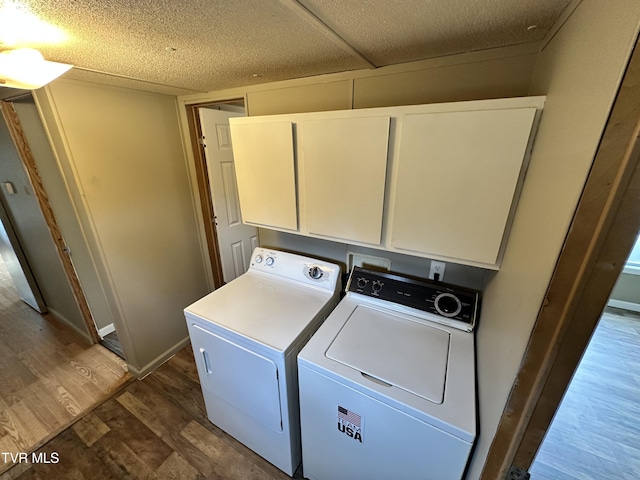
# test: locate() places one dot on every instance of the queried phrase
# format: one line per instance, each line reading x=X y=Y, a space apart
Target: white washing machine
x=245 y=338
x=388 y=385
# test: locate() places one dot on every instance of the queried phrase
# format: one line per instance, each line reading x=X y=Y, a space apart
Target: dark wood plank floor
x=595 y=434
x=49 y=375
x=155 y=428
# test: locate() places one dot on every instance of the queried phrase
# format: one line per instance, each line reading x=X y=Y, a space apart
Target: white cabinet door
x=265 y=171
x=457 y=175
x=344 y=162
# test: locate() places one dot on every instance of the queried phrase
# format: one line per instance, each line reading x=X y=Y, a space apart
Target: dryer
x=388 y=385
x=246 y=336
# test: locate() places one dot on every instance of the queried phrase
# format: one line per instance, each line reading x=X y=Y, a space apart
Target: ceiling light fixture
x=19 y=27
x=26 y=68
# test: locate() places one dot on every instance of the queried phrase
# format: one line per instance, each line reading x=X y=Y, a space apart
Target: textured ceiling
x=185 y=46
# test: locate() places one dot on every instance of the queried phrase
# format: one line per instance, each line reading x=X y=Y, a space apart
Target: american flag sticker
x=350 y=423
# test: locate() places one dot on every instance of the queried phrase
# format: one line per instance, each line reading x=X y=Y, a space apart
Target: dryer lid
x=410 y=355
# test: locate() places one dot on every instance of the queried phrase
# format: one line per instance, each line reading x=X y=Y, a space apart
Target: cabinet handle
x=205 y=359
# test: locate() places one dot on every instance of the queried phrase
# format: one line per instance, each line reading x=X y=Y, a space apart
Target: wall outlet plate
x=437 y=268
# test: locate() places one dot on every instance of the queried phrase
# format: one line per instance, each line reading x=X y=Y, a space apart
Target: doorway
x=229 y=241
x=31 y=217
x=595 y=433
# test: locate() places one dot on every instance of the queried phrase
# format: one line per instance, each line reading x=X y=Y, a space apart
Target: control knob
x=362 y=282
x=269 y=261
x=316 y=273
x=376 y=286
x=258 y=259
x=448 y=305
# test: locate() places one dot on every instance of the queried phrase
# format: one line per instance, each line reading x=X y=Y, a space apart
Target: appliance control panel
x=451 y=303
x=296 y=267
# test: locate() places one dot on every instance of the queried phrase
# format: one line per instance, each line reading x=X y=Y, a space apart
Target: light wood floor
x=49 y=375
x=595 y=434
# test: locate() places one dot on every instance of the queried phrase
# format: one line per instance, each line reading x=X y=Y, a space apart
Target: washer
x=245 y=338
x=388 y=385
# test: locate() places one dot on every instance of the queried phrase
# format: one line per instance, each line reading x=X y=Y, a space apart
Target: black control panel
x=447 y=301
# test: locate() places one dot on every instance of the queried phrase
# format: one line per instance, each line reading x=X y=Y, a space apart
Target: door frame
x=26 y=156
x=602 y=234
x=202 y=181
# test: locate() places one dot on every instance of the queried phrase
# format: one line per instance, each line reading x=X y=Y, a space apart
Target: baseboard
x=104 y=331
x=159 y=360
x=67 y=322
x=633 y=307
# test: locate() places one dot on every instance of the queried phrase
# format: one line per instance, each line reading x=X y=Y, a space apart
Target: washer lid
x=406 y=354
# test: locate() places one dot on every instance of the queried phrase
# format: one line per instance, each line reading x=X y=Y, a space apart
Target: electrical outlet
x=437 y=268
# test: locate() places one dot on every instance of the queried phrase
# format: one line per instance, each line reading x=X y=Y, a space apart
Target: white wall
x=626 y=293
x=579 y=71
x=121 y=155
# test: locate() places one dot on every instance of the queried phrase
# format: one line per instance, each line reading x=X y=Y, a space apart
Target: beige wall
x=121 y=155
x=63 y=210
x=579 y=71
x=470 y=80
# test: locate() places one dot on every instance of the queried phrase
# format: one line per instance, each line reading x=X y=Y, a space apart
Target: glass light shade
x=25 y=68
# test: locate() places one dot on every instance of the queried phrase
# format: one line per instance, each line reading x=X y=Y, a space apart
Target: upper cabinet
x=343 y=165
x=439 y=181
x=456 y=179
x=265 y=171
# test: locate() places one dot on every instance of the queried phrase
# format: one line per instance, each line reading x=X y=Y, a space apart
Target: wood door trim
x=204 y=192
x=602 y=234
x=24 y=152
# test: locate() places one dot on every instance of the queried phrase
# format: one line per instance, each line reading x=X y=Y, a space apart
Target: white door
x=16 y=263
x=236 y=240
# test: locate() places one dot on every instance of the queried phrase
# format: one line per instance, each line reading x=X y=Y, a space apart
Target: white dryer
x=245 y=338
x=388 y=385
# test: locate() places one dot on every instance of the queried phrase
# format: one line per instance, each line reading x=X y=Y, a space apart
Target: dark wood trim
x=206 y=202
x=24 y=152
x=602 y=234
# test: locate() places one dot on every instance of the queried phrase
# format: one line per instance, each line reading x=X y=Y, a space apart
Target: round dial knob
x=269 y=261
x=315 y=273
x=377 y=285
x=362 y=282
x=447 y=305
x=258 y=259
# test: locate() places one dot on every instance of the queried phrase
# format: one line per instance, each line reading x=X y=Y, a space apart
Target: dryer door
x=242 y=378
